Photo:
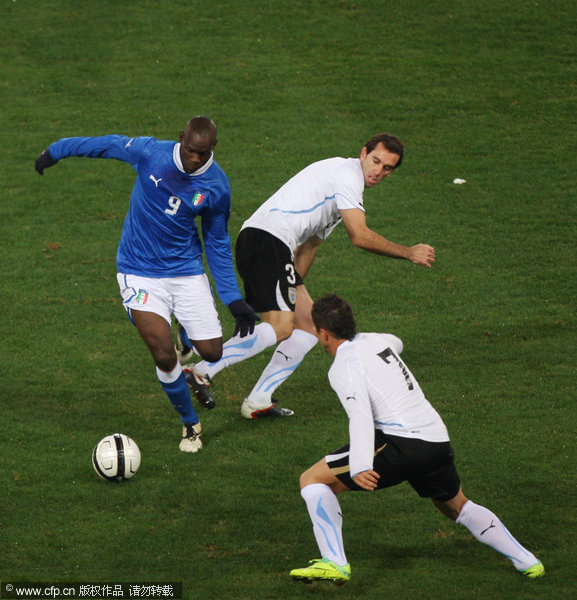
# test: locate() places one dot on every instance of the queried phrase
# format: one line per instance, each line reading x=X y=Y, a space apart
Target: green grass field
x=483 y=91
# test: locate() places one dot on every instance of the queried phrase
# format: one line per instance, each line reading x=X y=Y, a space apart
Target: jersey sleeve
x=217 y=248
x=348 y=195
x=394 y=342
x=119 y=147
x=349 y=383
x=349 y=187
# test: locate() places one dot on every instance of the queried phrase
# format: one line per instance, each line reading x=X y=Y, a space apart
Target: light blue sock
x=488 y=529
x=238 y=349
x=326 y=516
x=284 y=361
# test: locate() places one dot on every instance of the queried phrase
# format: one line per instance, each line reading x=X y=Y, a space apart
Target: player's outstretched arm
x=44 y=161
x=367 y=239
x=422 y=254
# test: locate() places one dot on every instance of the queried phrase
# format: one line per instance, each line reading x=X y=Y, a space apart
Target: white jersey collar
x=178 y=162
x=346 y=343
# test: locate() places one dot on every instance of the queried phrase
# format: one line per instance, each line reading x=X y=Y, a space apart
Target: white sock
x=488 y=529
x=238 y=349
x=169 y=376
x=286 y=358
x=325 y=513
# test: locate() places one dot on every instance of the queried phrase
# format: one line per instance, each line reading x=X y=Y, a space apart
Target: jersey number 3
x=290 y=269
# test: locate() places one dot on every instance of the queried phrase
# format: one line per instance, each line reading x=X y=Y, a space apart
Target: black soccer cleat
x=273 y=410
x=200 y=387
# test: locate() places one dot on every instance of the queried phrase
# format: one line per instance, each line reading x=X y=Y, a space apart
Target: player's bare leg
x=156 y=334
x=210 y=349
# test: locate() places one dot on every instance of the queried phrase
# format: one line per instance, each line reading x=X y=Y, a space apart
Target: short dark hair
x=335 y=315
x=391 y=142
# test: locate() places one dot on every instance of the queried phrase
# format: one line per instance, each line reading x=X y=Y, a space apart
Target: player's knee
x=211 y=354
x=165 y=361
x=303 y=480
x=452 y=508
x=283 y=331
x=309 y=477
x=281 y=322
x=209 y=350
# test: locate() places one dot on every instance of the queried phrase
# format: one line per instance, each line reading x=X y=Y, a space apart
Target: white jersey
x=310 y=202
x=378 y=391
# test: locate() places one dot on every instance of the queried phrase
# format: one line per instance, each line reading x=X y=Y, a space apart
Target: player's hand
x=244 y=316
x=44 y=161
x=367 y=480
x=422 y=254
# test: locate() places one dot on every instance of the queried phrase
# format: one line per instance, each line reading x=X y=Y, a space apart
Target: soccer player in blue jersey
x=160 y=255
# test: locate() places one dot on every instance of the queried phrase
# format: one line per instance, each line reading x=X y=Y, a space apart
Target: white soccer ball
x=116 y=457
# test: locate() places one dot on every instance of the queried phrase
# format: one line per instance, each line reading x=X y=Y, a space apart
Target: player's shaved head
x=197 y=143
x=201 y=128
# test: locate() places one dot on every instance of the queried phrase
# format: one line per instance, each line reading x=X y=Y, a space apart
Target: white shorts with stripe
x=189 y=298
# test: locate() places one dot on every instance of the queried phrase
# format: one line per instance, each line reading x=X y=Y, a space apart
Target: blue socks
x=174 y=385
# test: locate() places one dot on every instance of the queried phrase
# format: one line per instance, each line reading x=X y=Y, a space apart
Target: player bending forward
x=277 y=246
x=395 y=435
x=159 y=258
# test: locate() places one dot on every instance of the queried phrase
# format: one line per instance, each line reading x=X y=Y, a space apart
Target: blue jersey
x=160 y=237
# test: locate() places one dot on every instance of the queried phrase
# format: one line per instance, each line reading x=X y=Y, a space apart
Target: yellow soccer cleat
x=537 y=570
x=323 y=569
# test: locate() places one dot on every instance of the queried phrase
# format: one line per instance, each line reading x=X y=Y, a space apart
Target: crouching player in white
x=395 y=435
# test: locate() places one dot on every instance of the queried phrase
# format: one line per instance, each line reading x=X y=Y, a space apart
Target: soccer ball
x=116 y=457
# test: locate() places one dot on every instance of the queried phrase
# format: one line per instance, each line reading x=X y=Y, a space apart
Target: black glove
x=244 y=316
x=44 y=161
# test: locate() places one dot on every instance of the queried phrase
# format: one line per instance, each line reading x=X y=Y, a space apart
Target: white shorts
x=190 y=299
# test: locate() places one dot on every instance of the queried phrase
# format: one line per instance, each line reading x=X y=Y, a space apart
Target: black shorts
x=428 y=466
x=266 y=265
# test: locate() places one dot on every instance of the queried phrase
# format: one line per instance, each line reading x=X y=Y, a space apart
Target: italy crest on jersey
x=198 y=198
